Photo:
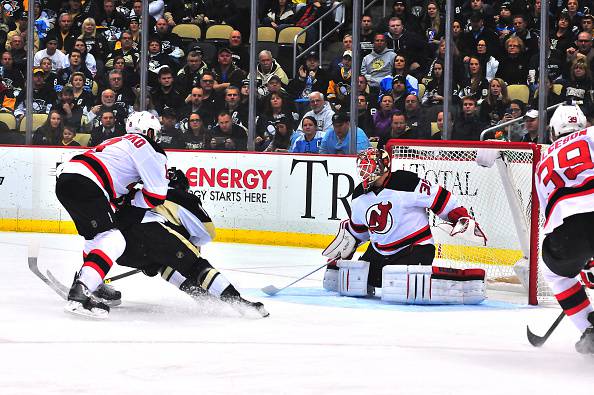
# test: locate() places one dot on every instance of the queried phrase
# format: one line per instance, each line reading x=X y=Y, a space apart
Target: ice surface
x=159 y=341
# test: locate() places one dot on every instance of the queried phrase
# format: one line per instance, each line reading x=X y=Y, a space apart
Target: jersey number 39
x=571 y=160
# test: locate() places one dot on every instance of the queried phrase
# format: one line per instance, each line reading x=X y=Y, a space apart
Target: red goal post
x=502 y=198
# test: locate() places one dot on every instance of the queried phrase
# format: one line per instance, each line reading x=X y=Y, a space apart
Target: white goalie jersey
x=396 y=216
x=565 y=178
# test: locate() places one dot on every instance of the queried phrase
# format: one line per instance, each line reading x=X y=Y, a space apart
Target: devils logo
x=379 y=218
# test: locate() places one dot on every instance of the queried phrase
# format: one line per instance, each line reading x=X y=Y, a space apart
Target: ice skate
x=109 y=295
x=586 y=343
x=81 y=302
x=243 y=306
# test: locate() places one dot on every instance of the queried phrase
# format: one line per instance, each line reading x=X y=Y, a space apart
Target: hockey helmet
x=372 y=163
x=566 y=119
x=177 y=179
x=145 y=123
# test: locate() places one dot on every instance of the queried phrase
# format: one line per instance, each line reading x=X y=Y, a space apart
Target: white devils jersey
x=396 y=216
x=565 y=178
x=122 y=161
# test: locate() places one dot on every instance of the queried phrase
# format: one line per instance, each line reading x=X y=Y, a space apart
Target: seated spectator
x=440 y=126
x=223 y=12
x=50 y=77
x=531 y=127
x=513 y=66
x=555 y=66
x=475 y=84
x=458 y=67
x=433 y=25
x=149 y=105
x=95 y=42
x=267 y=67
x=433 y=95
x=134 y=29
x=400 y=68
x=18 y=52
x=310 y=78
x=131 y=77
x=209 y=96
x=196 y=105
x=280 y=15
x=113 y=20
x=87 y=58
x=78 y=13
x=407 y=43
x=108 y=103
x=75 y=65
x=125 y=96
x=45 y=19
x=11 y=76
x=106 y=128
x=44 y=96
x=70 y=112
x=563 y=36
x=7 y=99
x=337 y=139
x=378 y=64
x=489 y=64
x=382 y=119
x=494 y=106
x=127 y=51
x=416 y=118
x=580 y=86
x=50 y=133
x=64 y=32
x=275 y=108
x=505 y=23
x=281 y=140
x=197 y=136
x=239 y=52
x=305 y=17
x=157 y=60
x=400 y=9
x=552 y=97
x=399 y=92
x=337 y=63
x=309 y=140
x=239 y=112
x=189 y=75
x=83 y=97
x=274 y=85
x=478 y=31
x=59 y=60
x=321 y=111
x=521 y=31
x=515 y=131
x=228 y=136
x=21 y=30
x=468 y=125
x=366 y=35
x=170 y=42
x=171 y=135
x=68 y=134
x=399 y=129
x=165 y=95
x=364 y=115
x=225 y=72
x=339 y=87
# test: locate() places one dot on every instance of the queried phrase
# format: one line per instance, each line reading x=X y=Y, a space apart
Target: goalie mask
x=372 y=163
x=566 y=119
x=145 y=123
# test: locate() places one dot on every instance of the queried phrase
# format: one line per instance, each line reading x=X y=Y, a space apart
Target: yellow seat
x=218 y=32
x=557 y=88
x=82 y=138
x=267 y=33
x=38 y=120
x=95 y=88
x=286 y=35
x=518 y=91
x=434 y=128
x=8 y=119
x=187 y=30
x=422 y=88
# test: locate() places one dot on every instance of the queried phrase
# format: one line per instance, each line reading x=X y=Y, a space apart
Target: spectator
x=433 y=95
x=228 y=136
x=96 y=44
x=440 y=126
x=134 y=29
x=239 y=112
x=18 y=52
x=239 y=53
x=44 y=96
x=513 y=67
x=196 y=105
x=223 y=12
x=157 y=60
x=64 y=32
x=281 y=140
x=552 y=97
x=364 y=116
x=107 y=128
x=378 y=64
x=479 y=7
x=478 y=31
x=70 y=112
x=580 y=87
x=125 y=97
x=50 y=133
x=531 y=126
x=45 y=20
x=457 y=63
x=68 y=134
x=489 y=64
x=83 y=98
x=468 y=125
x=87 y=58
x=281 y=14
x=562 y=37
x=399 y=129
x=494 y=106
x=75 y=65
x=407 y=43
x=127 y=51
x=189 y=76
x=226 y=73
x=114 y=21
x=197 y=136
x=267 y=67
x=209 y=96
x=400 y=67
x=12 y=77
x=305 y=17
x=400 y=10
x=170 y=42
x=367 y=36
x=382 y=118
x=108 y=103
x=529 y=39
x=131 y=78
x=505 y=23
x=582 y=48
x=337 y=139
x=21 y=30
x=573 y=11
x=476 y=85
x=515 y=131
x=165 y=95
x=171 y=135
x=7 y=99
x=399 y=92
x=275 y=108
x=416 y=118
x=339 y=87
x=310 y=78
x=50 y=77
x=150 y=106
x=59 y=60
x=336 y=63
x=433 y=25
x=309 y=141
x=555 y=66
x=321 y=111
x=78 y=14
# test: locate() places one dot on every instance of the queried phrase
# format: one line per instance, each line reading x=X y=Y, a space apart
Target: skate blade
x=76 y=308
x=109 y=302
x=250 y=311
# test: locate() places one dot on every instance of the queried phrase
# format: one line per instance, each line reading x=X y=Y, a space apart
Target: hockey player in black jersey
x=168 y=240
x=390 y=210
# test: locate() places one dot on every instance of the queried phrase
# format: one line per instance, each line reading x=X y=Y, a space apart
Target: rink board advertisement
x=257 y=198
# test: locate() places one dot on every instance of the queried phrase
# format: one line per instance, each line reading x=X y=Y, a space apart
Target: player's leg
x=565 y=252
x=93 y=217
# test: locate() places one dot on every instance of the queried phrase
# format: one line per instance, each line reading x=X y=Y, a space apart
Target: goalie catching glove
x=464 y=226
x=344 y=244
x=587 y=275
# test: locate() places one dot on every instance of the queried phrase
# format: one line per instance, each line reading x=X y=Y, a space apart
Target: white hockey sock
x=90 y=278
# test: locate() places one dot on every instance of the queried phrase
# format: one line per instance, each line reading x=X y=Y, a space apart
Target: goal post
x=501 y=197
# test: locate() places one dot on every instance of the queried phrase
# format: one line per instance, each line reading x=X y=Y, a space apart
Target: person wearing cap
x=310 y=77
x=399 y=91
x=400 y=9
x=171 y=135
x=21 y=30
x=478 y=31
x=378 y=64
x=339 y=87
x=531 y=126
x=335 y=63
x=44 y=96
x=505 y=23
x=267 y=66
x=227 y=73
x=337 y=139
x=59 y=60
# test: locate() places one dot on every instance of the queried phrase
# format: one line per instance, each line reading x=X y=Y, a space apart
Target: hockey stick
x=117 y=277
x=63 y=290
x=538 y=341
x=33 y=267
x=272 y=290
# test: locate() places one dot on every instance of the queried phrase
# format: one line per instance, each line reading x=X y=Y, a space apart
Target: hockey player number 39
x=575 y=158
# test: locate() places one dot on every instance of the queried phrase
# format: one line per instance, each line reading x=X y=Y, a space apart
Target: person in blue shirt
x=337 y=139
x=309 y=141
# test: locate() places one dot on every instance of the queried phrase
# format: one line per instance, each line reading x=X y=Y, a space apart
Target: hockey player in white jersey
x=565 y=187
x=91 y=185
x=390 y=210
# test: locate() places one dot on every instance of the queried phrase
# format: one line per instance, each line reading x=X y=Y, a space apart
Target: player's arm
x=153 y=172
x=352 y=232
x=196 y=221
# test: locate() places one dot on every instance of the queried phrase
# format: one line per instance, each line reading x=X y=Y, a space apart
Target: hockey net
x=502 y=200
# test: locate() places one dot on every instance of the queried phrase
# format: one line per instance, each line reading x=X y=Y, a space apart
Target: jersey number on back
x=574 y=158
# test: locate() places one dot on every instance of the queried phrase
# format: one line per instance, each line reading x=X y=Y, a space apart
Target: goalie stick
x=538 y=341
x=272 y=290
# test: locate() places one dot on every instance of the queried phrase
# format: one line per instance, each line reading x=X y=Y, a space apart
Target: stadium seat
x=209 y=50
x=266 y=34
x=272 y=47
x=434 y=128
x=82 y=138
x=218 y=32
x=518 y=91
x=95 y=88
x=38 y=120
x=285 y=36
x=8 y=119
x=187 y=31
x=557 y=88
x=421 y=91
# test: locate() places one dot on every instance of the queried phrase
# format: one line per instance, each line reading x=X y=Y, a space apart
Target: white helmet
x=145 y=123
x=566 y=119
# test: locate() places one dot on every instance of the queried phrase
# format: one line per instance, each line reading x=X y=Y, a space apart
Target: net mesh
x=498 y=197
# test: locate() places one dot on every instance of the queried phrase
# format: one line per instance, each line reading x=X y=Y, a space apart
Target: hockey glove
x=587 y=275
x=466 y=228
x=344 y=244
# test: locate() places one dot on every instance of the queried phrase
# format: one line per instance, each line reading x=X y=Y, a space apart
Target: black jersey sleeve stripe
x=442 y=198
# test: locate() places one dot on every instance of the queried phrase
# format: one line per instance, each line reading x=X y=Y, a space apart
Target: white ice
x=159 y=341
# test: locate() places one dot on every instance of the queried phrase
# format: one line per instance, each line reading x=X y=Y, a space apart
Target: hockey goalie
x=389 y=209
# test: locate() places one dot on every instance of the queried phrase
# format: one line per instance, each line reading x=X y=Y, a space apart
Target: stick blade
x=533 y=339
x=270 y=290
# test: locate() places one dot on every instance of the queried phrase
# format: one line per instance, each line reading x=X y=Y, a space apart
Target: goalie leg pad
x=352 y=278
x=331 y=278
x=432 y=285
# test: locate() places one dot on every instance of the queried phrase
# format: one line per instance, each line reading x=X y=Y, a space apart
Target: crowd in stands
x=86 y=71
